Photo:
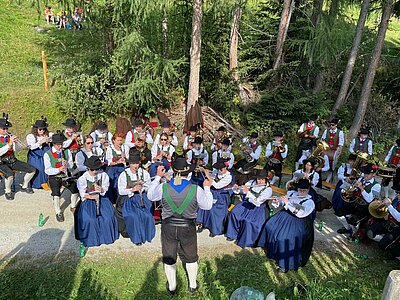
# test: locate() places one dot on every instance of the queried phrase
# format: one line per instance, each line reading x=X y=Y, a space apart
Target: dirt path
x=20 y=235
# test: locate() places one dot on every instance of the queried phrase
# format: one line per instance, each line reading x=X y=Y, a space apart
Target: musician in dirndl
x=251 y=151
x=362 y=143
x=161 y=153
x=214 y=219
x=134 y=210
x=138 y=131
x=225 y=154
x=308 y=134
x=289 y=235
x=38 y=142
x=366 y=189
x=88 y=150
x=9 y=163
x=308 y=173
x=95 y=219
x=166 y=128
x=197 y=157
x=392 y=160
x=116 y=157
x=57 y=163
x=180 y=202
x=276 y=151
x=220 y=136
x=334 y=137
x=247 y=218
x=391 y=228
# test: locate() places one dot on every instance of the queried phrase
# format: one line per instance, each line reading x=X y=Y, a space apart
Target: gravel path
x=20 y=234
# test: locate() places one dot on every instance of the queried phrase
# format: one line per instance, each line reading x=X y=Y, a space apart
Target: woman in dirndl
x=247 y=218
x=289 y=235
x=134 y=210
x=38 y=142
x=116 y=157
x=214 y=219
x=96 y=222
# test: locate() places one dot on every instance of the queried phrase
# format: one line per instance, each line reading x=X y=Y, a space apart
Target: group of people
x=63 y=20
x=127 y=182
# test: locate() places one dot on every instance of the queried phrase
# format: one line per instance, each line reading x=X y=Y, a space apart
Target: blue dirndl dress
x=35 y=159
x=245 y=223
x=214 y=219
x=138 y=220
x=113 y=172
x=288 y=239
x=154 y=166
x=96 y=230
x=338 y=205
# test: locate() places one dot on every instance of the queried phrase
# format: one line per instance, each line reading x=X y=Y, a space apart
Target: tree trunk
x=164 y=29
x=234 y=41
x=288 y=6
x=195 y=50
x=352 y=58
x=334 y=8
x=369 y=79
x=316 y=14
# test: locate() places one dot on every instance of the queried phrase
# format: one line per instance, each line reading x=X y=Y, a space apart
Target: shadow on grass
x=41 y=269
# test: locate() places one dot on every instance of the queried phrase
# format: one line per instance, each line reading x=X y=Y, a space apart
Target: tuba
x=317 y=154
x=378 y=209
x=351 y=194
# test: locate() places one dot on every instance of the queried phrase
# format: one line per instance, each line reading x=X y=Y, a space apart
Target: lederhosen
x=306 y=143
x=56 y=181
x=178 y=229
x=9 y=163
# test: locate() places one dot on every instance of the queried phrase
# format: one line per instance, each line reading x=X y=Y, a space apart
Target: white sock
x=274 y=180
x=8 y=183
x=27 y=179
x=328 y=179
x=296 y=166
x=170 y=272
x=56 y=204
x=344 y=222
x=192 y=274
x=74 y=200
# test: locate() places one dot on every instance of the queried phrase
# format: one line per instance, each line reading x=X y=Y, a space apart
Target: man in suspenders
x=180 y=202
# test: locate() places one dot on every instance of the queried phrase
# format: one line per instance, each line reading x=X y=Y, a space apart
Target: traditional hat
x=303 y=184
x=334 y=121
x=134 y=157
x=278 y=133
x=220 y=164
x=137 y=122
x=310 y=160
x=93 y=163
x=4 y=123
x=70 y=123
x=254 y=135
x=40 y=124
x=313 y=117
x=181 y=166
x=226 y=142
x=166 y=124
x=369 y=168
x=58 y=138
x=352 y=156
x=364 y=131
x=221 y=128
x=198 y=140
x=262 y=174
x=101 y=125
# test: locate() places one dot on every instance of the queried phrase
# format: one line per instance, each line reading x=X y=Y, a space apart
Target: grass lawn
x=328 y=275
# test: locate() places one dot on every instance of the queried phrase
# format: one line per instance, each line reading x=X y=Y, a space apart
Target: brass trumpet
x=18 y=142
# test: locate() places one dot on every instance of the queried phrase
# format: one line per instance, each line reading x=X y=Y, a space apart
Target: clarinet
x=96 y=182
x=140 y=191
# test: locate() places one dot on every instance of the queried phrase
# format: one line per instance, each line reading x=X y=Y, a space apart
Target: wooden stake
x=46 y=79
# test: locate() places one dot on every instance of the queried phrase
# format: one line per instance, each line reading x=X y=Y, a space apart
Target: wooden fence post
x=46 y=79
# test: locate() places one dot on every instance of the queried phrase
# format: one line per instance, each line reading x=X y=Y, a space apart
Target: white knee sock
x=170 y=272
x=74 y=200
x=386 y=191
x=192 y=274
x=56 y=204
x=8 y=183
x=344 y=222
x=274 y=180
x=27 y=179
